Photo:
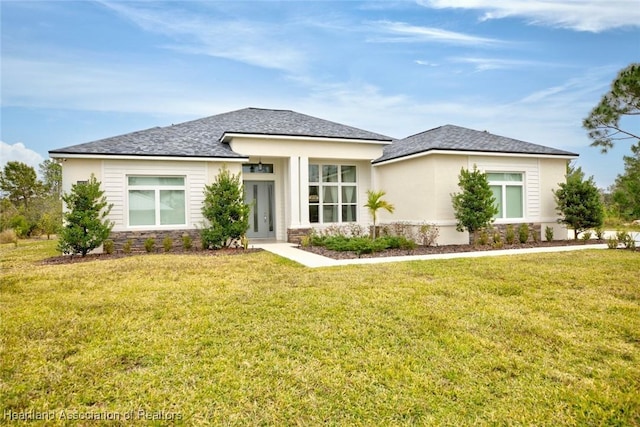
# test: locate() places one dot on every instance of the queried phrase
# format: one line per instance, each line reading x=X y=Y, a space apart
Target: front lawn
x=548 y=339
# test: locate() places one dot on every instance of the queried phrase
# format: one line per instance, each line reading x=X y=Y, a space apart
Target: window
x=156 y=200
x=333 y=193
x=257 y=168
x=508 y=189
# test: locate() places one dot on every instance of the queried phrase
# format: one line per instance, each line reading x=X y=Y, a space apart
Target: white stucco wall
x=421 y=188
x=74 y=170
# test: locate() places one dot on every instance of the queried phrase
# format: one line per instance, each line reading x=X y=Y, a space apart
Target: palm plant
x=375 y=202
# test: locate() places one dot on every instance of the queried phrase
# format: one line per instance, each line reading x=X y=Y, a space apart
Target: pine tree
x=578 y=202
x=474 y=207
x=225 y=211
x=85 y=225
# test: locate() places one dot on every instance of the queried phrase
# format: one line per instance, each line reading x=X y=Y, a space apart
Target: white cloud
x=19 y=153
x=580 y=15
x=256 y=43
x=403 y=32
x=486 y=64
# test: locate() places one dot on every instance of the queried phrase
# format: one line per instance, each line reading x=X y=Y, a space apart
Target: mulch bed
x=445 y=249
x=72 y=259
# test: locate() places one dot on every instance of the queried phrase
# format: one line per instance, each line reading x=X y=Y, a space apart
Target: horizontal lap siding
x=115 y=186
x=531 y=169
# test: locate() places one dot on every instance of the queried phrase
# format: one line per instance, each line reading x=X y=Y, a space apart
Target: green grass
x=549 y=339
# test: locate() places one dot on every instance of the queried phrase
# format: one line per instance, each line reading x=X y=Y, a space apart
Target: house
x=301 y=172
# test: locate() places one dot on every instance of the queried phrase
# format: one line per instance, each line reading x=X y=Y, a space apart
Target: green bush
x=612 y=243
x=510 y=235
x=548 y=233
x=86 y=224
x=226 y=212
x=523 y=233
x=483 y=238
x=586 y=236
x=150 y=244
x=126 y=248
x=600 y=233
x=187 y=242
x=108 y=246
x=167 y=244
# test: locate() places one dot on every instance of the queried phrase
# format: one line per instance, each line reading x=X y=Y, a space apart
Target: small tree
x=225 y=211
x=375 y=202
x=474 y=207
x=85 y=224
x=578 y=202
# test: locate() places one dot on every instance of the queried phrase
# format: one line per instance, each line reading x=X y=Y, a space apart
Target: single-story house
x=301 y=172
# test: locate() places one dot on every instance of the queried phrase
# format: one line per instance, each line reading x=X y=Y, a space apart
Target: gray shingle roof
x=455 y=138
x=203 y=137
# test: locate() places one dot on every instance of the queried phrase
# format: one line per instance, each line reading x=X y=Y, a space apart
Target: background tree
x=225 y=211
x=603 y=123
x=626 y=190
x=51 y=173
x=85 y=224
x=579 y=202
x=474 y=207
x=20 y=183
x=375 y=202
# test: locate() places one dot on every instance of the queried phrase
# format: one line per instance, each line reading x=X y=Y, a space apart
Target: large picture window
x=156 y=200
x=333 y=192
x=508 y=189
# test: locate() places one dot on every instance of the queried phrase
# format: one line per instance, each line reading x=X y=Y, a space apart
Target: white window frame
x=503 y=185
x=339 y=185
x=157 y=188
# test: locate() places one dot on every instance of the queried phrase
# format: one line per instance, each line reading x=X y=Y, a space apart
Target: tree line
x=28 y=205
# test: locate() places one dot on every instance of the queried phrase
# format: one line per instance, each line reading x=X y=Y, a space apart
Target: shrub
x=167 y=244
x=579 y=202
x=600 y=233
x=108 y=246
x=428 y=234
x=126 y=248
x=244 y=241
x=150 y=244
x=9 y=236
x=225 y=210
x=86 y=226
x=586 y=236
x=483 y=238
x=305 y=241
x=548 y=233
x=497 y=238
x=510 y=235
x=187 y=242
x=535 y=236
x=523 y=233
x=475 y=205
x=612 y=243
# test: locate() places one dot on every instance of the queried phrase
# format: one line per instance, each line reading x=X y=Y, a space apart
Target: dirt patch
x=445 y=249
x=72 y=259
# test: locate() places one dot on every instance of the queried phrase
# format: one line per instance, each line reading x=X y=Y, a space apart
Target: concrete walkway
x=288 y=250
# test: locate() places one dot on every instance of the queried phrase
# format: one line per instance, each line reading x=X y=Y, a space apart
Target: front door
x=259 y=195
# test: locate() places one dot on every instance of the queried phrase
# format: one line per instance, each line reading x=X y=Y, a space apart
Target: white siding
x=114 y=183
x=531 y=169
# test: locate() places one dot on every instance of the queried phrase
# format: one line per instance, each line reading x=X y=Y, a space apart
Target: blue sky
x=74 y=72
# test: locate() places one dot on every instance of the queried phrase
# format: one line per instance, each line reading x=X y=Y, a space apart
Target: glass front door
x=259 y=195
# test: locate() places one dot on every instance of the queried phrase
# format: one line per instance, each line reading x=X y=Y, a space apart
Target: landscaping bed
x=444 y=249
